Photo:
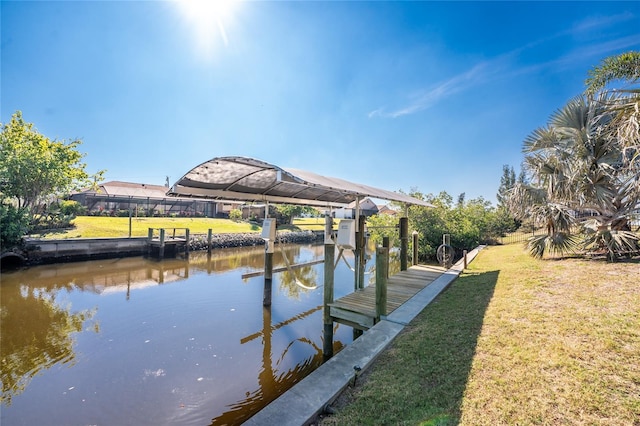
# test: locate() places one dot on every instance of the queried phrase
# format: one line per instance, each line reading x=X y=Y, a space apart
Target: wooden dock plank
x=358 y=309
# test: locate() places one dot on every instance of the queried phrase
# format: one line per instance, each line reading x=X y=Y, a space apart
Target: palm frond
x=560 y=243
x=612 y=243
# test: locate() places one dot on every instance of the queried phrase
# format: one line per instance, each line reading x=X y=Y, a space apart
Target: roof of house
x=137 y=190
x=387 y=210
x=365 y=204
x=130 y=189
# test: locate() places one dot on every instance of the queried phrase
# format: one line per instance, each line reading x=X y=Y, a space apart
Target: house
x=387 y=210
x=116 y=198
x=367 y=208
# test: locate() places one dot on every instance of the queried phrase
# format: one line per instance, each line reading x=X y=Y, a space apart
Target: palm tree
x=577 y=166
x=624 y=68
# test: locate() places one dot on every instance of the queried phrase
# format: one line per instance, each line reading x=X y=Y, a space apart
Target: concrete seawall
x=38 y=251
x=49 y=251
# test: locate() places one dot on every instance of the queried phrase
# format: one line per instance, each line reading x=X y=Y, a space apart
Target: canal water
x=179 y=341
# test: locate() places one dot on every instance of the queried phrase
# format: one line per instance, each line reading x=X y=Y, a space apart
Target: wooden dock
x=358 y=309
x=167 y=241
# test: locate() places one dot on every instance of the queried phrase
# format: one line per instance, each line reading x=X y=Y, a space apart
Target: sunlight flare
x=207 y=19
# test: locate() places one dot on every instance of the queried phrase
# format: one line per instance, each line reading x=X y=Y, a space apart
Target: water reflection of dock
x=273 y=382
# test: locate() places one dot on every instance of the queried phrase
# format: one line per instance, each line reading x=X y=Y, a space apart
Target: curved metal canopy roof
x=248 y=179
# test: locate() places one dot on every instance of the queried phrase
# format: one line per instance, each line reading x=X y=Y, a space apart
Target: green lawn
x=99 y=226
x=114 y=227
x=313 y=223
x=514 y=340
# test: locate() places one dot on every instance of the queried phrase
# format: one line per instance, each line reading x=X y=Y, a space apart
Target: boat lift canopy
x=248 y=179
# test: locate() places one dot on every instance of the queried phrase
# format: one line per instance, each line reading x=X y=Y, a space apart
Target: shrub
x=72 y=208
x=14 y=224
x=235 y=214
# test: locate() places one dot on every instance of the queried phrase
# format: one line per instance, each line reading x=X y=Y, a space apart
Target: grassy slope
x=513 y=341
x=99 y=227
x=103 y=227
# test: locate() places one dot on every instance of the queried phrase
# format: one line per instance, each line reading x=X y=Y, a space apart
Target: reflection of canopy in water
x=248 y=179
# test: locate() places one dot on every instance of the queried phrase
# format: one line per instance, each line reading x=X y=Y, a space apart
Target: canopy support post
x=268 y=265
x=329 y=255
x=404 y=242
x=360 y=252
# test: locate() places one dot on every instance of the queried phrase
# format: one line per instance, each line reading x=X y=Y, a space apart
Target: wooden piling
x=382 y=262
x=360 y=253
x=161 y=247
x=414 y=260
x=404 y=242
x=268 y=275
x=464 y=255
x=149 y=239
x=387 y=244
x=209 y=240
x=329 y=254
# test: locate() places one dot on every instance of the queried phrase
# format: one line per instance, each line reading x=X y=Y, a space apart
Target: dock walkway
x=358 y=309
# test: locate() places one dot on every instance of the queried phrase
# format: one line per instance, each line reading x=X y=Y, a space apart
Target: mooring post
x=414 y=261
x=404 y=242
x=360 y=250
x=386 y=243
x=209 y=240
x=149 y=239
x=269 y=235
x=464 y=254
x=268 y=275
x=161 y=248
x=329 y=255
x=447 y=251
x=382 y=262
x=359 y=259
x=187 y=233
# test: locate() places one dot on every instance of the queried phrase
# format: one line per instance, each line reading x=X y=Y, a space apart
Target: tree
x=290 y=211
x=625 y=110
x=469 y=223
x=625 y=66
x=383 y=225
x=507 y=181
x=35 y=169
x=14 y=223
x=578 y=168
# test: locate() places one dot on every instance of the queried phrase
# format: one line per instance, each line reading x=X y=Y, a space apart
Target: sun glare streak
x=207 y=18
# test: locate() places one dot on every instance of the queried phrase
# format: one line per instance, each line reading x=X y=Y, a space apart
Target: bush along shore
x=200 y=241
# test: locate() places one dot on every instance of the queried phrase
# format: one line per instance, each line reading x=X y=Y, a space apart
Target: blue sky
x=433 y=96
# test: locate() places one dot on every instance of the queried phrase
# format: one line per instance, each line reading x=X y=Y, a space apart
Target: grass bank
x=514 y=340
x=116 y=227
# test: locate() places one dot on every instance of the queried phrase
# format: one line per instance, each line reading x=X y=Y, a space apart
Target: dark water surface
x=140 y=341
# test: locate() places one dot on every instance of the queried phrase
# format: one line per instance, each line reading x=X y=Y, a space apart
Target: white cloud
x=502 y=66
x=472 y=77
